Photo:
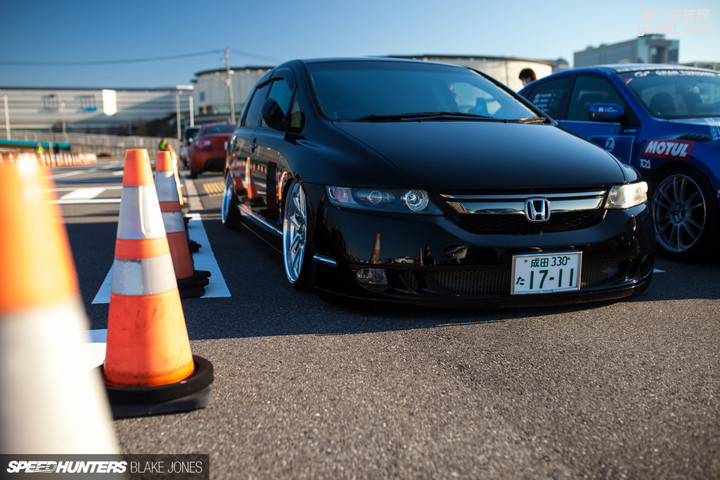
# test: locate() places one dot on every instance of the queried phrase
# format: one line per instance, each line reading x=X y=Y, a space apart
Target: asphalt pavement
x=310 y=388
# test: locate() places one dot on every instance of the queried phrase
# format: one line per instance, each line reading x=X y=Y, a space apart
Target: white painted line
x=94 y=350
x=103 y=294
x=657 y=270
x=84 y=193
x=204 y=259
x=88 y=201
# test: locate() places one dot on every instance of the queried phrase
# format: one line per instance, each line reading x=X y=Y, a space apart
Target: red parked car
x=207 y=151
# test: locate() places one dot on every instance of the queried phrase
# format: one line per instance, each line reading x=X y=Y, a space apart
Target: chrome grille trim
x=505 y=204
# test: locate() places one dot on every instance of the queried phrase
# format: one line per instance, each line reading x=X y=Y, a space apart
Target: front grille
x=471 y=282
x=504 y=213
x=496 y=280
x=518 y=224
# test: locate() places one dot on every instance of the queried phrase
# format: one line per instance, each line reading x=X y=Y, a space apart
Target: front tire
x=229 y=214
x=685 y=215
x=297 y=239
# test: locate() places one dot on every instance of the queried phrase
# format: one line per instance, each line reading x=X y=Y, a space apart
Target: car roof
x=388 y=60
x=634 y=67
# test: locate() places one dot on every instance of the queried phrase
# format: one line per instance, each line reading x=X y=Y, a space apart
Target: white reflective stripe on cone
x=140 y=213
x=50 y=402
x=166 y=186
x=143 y=277
x=173 y=222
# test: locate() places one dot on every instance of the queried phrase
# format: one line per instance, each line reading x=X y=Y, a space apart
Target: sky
x=159 y=43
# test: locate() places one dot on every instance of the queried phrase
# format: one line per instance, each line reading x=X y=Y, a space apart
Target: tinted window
x=252 y=116
x=352 y=90
x=281 y=92
x=551 y=96
x=589 y=91
x=219 y=128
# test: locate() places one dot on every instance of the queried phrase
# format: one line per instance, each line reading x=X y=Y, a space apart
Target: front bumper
x=431 y=260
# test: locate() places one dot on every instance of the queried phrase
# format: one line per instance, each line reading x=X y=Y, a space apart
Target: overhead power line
x=128 y=60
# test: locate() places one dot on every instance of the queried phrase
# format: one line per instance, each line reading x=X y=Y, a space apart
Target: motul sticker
x=672 y=149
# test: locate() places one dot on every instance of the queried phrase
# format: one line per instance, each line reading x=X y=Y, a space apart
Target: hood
x=487 y=155
x=708 y=127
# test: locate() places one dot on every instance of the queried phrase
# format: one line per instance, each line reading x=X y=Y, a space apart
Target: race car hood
x=708 y=127
x=487 y=155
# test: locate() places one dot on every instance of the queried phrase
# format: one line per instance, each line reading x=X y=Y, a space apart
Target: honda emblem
x=537 y=209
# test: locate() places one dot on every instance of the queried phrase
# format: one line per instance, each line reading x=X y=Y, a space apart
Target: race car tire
x=685 y=215
x=229 y=214
x=297 y=239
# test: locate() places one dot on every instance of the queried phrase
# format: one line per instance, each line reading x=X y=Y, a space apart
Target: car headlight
x=627 y=196
x=394 y=200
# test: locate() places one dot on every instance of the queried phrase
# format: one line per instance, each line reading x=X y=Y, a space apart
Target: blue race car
x=664 y=120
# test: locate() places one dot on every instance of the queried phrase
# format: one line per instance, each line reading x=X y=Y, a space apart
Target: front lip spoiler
x=585 y=297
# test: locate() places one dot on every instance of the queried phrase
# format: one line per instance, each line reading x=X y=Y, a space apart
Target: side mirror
x=606 y=112
x=273 y=115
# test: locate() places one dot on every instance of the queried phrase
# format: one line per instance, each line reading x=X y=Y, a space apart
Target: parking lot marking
x=203 y=260
x=213 y=189
x=85 y=195
x=94 y=349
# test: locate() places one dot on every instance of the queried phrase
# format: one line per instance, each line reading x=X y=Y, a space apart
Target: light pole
x=178 y=92
x=7 y=117
x=229 y=86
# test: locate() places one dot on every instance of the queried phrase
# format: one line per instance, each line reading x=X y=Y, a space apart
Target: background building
x=211 y=96
x=85 y=110
x=504 y=69
x=645 y=49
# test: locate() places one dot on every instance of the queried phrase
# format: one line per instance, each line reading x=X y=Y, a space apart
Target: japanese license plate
x=547 y=273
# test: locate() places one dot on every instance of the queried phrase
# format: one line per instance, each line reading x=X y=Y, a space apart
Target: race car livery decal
x=670 y=149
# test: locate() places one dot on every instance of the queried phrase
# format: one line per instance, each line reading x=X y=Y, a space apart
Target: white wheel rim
x=294 y=232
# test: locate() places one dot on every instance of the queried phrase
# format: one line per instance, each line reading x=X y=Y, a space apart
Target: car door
x=243 y=143
x=617 y=137
x=269 y=162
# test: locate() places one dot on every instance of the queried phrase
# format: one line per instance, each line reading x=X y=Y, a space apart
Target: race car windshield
x=398 y=91
x=676 y=93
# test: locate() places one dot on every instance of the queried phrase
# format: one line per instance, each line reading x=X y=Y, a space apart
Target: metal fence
x=100 y=145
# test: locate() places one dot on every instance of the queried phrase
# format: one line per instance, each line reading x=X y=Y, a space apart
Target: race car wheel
x=229 y=213
x=297 y=239
x=685 y=215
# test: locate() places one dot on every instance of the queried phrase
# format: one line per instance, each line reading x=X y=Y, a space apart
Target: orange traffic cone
x=149 y=368
x=50 y=402
x=250 y=187
x=375 y=257
x=190 y=282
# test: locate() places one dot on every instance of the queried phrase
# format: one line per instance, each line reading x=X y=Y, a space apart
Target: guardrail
x=100 y=145
x=51 y=159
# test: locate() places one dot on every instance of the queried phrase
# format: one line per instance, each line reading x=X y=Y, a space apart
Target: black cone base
x=190 y=394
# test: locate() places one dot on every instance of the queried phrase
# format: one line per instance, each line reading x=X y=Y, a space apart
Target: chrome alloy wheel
x=229 y=214
x=679 y=212
x=295 y=232
x=227 y=198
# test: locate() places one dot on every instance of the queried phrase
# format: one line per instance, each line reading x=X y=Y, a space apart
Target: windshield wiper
x=418 y=116
x=537 y=120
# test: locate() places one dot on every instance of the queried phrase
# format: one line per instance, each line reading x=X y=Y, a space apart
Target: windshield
x=676 y=93
x=219 y=128
x=369 y=91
